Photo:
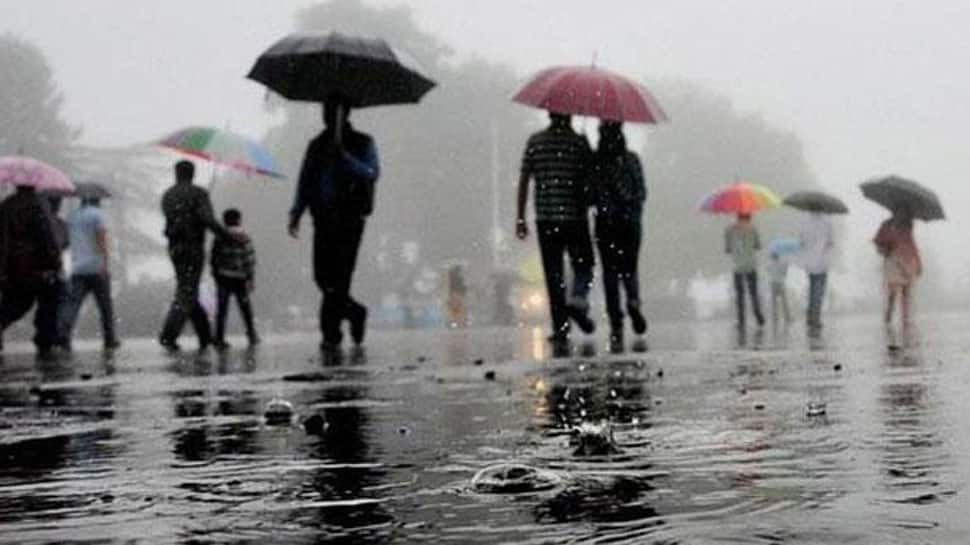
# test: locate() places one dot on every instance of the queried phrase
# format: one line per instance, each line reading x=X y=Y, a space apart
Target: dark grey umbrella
x=366 y=72
x=816 y=201
x=895 y=192
x=90 y=190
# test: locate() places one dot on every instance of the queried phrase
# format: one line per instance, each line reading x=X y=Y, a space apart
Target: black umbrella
x=91 y=190
x=816 y=201
x=363 y=71
x=895 y=192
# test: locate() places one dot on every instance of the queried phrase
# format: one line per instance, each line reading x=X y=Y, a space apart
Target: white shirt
x=817 y=242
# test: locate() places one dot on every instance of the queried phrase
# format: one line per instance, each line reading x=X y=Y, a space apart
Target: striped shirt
x=558 y=159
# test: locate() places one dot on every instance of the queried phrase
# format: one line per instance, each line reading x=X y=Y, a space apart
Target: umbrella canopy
x=224 y=148
x=591 y=91
x=91 y=190
x=784 y=246
x=895 y=192
x=366 y=72
x=24 y=171
x=740 y=198
x=816 y=201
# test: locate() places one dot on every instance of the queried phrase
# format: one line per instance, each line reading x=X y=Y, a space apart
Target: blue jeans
x=78 y=289
x=751 y=279
x=816 y=293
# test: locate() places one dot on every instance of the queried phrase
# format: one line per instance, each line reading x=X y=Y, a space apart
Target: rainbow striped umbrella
x=224 y=148
x=740 y=198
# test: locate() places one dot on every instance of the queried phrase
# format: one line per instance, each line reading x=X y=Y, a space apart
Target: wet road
x=860 y=436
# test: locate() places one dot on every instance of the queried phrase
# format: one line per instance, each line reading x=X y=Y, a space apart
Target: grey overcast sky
x=871 y=86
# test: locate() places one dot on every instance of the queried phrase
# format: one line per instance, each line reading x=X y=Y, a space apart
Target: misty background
x=794 y=96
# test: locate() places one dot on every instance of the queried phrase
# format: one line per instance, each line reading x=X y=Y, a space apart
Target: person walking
x=902 y=263
x=559 y=160
x=30 y=266
x=620 y=193
x=337 y=185
x=778 y=276
x=817 y=241
x=188 y=215
x=87 y=229
x=742 y=242
x=233 y=268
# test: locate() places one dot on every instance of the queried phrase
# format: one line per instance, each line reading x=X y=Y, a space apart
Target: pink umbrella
x=24 y=171
x=591 y=91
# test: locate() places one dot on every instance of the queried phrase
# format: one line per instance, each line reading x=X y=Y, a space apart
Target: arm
x=757 y=239
x=101 y=237
x=640 y=187
x=728 y=241
x=208 y=217
x=521 y=227
x=308 y=172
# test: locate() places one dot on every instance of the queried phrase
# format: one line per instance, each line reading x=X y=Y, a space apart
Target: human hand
x=521 y=229
x=250 y=286
x=294 y=229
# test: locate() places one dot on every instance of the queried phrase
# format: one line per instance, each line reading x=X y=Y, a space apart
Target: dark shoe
x=358 y=327
x=637 y=320
x=113 y=344
x=582 y=319
x=254 y=339
x=616 y=342
x=640 y=345
x=221 y=345
x=170 y=345
x=561 y=347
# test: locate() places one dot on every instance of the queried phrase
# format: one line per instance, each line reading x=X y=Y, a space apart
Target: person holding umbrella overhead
x=902 y=264
x=341 y=165
x=30 y=253
x=817 y=241
x=337 y=181
x=741 y=239
x=90 y=256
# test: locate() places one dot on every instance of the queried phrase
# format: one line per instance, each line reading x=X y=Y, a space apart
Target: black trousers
x=19 y=297
x=77 y=290
x=619 y=248
x=336 y=242
x=188 y=261
x=225 y=289
x=557 y=239
x=751 y=279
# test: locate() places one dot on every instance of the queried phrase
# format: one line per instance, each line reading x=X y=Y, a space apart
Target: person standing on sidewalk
x=88 y=234
x=559 y=159
x=233 y=269
x=742 y=242
x=817 y=242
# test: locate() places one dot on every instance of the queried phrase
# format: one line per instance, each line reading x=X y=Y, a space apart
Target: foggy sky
x=871 y=86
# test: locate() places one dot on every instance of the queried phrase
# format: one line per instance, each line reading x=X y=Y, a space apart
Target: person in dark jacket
x=233 y=264
x=188 y=215
x=30 y=266
x=337 y=184
x=620 y=192
x=558 y=159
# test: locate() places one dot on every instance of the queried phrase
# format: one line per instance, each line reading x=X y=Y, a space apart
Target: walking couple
x=569 y=179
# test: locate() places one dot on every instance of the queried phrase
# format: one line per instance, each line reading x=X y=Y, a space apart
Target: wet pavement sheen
x=857 y=436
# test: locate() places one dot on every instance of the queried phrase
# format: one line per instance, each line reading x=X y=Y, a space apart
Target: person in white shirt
x=816 y=256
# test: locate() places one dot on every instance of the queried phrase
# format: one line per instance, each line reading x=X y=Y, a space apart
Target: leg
x=890 y=303
x=739 y=297
x=101 y=285
x=579 y=245
x=905 y=304
x=607 y=245
x=353 y=310
x=15 y=302
x=775 y=296
x=551 y=248
x=784 y=304
x=77 y=290
x=246 y=310
x=49 y=296
x=187 y=263
x=752 y=278
x=223 y=291
x=326 y=272
x=630 y=276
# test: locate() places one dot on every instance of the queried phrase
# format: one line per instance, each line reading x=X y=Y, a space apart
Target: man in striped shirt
x=558 y=159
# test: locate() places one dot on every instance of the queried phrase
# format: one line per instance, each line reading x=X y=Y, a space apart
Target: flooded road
x=859 y=436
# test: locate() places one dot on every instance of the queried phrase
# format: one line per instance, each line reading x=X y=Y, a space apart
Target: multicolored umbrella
x=224 y=148
x=740 y=198
x=591 y=91
x=24 y=171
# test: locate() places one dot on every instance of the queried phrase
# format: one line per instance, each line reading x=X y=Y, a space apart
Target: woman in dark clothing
x=619 y=194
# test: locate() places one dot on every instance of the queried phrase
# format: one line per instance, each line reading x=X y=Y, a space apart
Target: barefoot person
x=902 y=264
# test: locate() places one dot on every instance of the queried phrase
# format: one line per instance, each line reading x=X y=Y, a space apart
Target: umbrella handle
x=338 y=130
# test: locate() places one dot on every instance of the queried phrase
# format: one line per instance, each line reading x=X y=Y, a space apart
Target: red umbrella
x=591 y=91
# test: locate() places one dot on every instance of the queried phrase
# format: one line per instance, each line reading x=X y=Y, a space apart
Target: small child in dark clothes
x=233 y=266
